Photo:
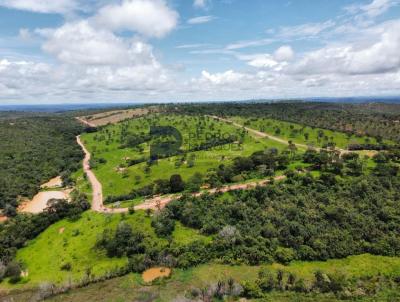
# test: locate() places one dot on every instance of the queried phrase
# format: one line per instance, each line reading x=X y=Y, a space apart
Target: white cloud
x=42 y=6
x=201 y=3
x=24 y=34
x=249 y=43
x=99 y=59
x=151 y=18
x=262 y=61
x=80 y=43
x=190 y=46
x=374 y=8
x=379 y=55
x=228 y=77
x=200 y=20
x=284 y=53
x=308 y=30
x=276 y=62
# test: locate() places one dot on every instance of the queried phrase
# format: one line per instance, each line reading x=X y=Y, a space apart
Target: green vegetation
x=375 y=120
x=326 y=229
x=65 y=251
x=16 y=232
x=183 y=282
x=121 y=168
x=300 y=134
x=33 y=150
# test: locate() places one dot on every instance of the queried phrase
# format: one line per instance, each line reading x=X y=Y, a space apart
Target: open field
x=118 y=178
x=300 y=134
x=72 y=242
x=131 y=287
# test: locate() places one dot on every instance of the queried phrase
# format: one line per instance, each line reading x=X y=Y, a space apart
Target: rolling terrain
x=246 y=199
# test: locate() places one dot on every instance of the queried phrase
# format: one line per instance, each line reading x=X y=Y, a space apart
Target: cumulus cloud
x=379 y=56
x=80 y=43
x=200 y=20
x=227 y=77
x=151 y=18
x=284 y=53
x=277 y=61
x=42 y=6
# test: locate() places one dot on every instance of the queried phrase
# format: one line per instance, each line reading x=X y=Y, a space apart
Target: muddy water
x=154 y=273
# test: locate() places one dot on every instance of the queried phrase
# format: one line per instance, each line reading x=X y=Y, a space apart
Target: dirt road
x=97 y=201
x=86 y=122
x=275 y=138
x=257 y=133
x=156 y=202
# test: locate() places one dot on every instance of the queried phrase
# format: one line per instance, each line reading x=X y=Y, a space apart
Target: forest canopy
x=33 y=150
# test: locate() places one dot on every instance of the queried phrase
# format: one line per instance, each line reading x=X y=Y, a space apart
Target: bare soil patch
x=112 y=117
x=40 y=200
x=55 y=182
x=154 y=273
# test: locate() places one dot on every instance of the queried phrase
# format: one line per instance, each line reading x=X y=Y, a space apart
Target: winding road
x=156 y=202
x=161 y=201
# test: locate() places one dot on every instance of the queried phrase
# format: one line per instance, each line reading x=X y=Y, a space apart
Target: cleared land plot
x=40 y=201
x=112 y=117
x=112 y=158
x=301 y=134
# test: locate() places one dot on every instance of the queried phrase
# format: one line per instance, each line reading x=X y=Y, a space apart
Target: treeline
x=33 y=150
x=260 y=164
x=302 y=218
x=377 y=120
x=276 y=283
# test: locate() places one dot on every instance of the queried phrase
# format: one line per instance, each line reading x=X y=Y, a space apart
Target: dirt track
x=256 y=132
x=152 y=203
x=277 y=139
x=97 y=201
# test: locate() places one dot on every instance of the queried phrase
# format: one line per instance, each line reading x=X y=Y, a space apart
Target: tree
x=176 y=183
x=163 y=223
x=194 y=183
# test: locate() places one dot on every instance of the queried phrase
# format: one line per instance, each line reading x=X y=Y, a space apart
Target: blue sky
x=196 y=50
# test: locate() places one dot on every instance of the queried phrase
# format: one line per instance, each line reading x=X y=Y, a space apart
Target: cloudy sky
x=64 y=51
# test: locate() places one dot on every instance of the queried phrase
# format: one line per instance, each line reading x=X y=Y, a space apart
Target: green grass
x=44 y=256
x=116 y=182
x=131 y=288
x=296 y=133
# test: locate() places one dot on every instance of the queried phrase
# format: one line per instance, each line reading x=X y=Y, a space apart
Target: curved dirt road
x=274 y=138
x=156 y=202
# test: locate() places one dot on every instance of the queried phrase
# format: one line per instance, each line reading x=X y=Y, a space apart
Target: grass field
x=131 y=287
x=117 y=178
x=301 y=134
x=73 y=242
